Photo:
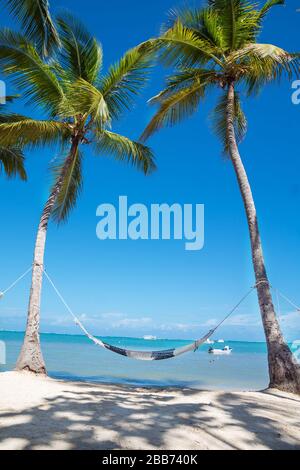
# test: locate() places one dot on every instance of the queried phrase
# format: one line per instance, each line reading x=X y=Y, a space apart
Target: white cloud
x=180 y=327
x=132 y=322
x=244 y=320
x=112 y=315
x=240 y=326
x=16 y=312
x=211 y=323
x=59 y=321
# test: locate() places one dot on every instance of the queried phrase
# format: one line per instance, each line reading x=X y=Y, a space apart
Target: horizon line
x=129 y=337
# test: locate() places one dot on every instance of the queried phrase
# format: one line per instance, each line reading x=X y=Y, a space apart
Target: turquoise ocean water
x=75 y=357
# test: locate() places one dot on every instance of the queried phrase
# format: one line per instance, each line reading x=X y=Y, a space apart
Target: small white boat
x=150 y=338
x=220 y=341
x=209 y=341
x=220 y=352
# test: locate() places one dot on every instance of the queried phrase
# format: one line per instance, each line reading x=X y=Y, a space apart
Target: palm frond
x=126 y=79
x=184 y=47
x=262 y=51
x=21 y=131
x=262 y=63
x=36 y=23
x=211 y=28
x=36 y=80
x=6 y=117
x=240 y=21
x=175 y=106
x=84 y=99
x=186 y=78
x=219 y=120
x=81 y=55
x=71 y=188
x=12 y=162
x=268 y=5
x=203 y=22
x=124 y=149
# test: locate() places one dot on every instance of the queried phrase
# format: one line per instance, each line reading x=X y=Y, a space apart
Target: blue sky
x=156 y=287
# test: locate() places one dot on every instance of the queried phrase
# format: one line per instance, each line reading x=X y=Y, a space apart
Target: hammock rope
x=146 y=355
x=2 y=294
x=289 y=301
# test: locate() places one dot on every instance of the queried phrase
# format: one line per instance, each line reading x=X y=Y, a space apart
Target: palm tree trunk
x=31 y=357
x=284 y=370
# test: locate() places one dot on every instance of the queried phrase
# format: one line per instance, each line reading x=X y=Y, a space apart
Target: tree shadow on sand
x=129 y=418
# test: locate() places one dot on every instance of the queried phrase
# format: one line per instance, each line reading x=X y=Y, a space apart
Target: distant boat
x=150 y=338
x=220 y=341
x=220 y=352
x=209 y=341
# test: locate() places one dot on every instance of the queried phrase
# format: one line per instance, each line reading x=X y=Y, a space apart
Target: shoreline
x=44 y=413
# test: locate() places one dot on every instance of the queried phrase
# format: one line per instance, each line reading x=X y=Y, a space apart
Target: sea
x=76 y=358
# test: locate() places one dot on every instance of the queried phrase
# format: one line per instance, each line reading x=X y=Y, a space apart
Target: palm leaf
x=186 y=78
x=175 y=106
x=12 y=162
x=36 y=80
x=71 y=188
x=262 y=51
x=219 y=120
x=203 y=22
x=262 y=63
x=182 y=46
x=268 y=5
x=240 y=21
x=81 y=54
x=6 y=117
x=126 y=79
x=124 y=149
x=84 y=99
x=23 y=131
x=36 y=23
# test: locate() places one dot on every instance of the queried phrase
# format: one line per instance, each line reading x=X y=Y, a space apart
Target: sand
x=42 y=413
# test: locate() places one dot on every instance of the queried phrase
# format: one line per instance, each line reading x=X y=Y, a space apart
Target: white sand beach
x=42 y=413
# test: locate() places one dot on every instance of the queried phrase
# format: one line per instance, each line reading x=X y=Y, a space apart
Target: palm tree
x=79 y=105
x=36 y=22
x=216 y=46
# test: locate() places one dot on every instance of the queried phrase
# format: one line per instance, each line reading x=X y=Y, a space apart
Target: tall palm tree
x=80 y=106
x=216 y=47
x=36 y=23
